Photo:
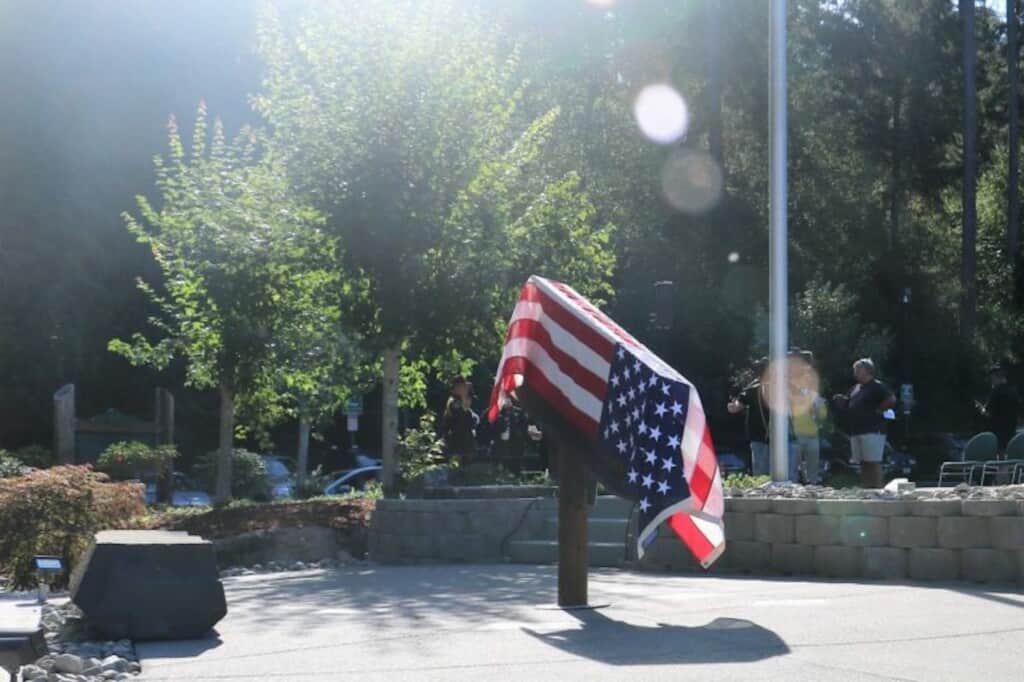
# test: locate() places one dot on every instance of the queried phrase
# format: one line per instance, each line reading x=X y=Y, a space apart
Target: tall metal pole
x=969 y=236
x=777 y=270
x=1013 y=113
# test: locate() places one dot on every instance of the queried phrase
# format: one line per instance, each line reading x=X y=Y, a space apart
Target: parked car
x=280 y=475
x=184 y=494
x=353 y=480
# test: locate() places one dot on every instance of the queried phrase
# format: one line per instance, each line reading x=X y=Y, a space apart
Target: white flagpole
x=778 y=293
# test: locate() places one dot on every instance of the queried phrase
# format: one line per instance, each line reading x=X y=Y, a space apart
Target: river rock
x=68 y=663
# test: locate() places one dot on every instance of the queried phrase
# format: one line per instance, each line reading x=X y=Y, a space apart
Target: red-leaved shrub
x=56 y=511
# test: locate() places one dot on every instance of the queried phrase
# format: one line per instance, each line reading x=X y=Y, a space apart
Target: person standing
x=1002 y=408
x=809 y=413
x=864 y=406
x=752 y=400
x=458 y=425
x=511 y=434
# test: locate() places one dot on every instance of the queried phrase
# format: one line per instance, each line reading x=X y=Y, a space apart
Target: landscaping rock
x=68 y=663
x=32 y=672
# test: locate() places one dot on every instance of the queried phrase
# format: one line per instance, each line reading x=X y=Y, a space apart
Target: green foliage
x=844 y=479
x=128 y=460
x=745 y=481
x=825 y=318
x=421 y=452
x=436 y=180
x=36 y=456
x=313 y=484
x=57 y=511
x=250 y=289
x=10 y=465
x=451 y=149
x=248 y=475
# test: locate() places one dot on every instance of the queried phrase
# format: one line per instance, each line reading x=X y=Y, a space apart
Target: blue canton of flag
x=643 y=419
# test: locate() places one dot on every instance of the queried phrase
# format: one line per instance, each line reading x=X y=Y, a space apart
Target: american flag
x=623 y=396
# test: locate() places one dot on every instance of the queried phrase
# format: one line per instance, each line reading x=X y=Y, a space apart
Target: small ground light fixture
x=47 y=568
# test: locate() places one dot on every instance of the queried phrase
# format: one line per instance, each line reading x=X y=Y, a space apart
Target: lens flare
x=734 y=257
x=804 y=385
x=661 y=113
x=691 y=182
x=605 y=4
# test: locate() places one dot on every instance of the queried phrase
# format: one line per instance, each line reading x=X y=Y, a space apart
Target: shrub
x=10 y=465
x=421 y=453
x=313 y=484
x=248 y=474
x=57 y=511
x=36 y=456
x=130 y=460
x=743 y=481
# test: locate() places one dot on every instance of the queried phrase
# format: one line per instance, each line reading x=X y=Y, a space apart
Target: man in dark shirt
x=752 y=401
x=864 y=406
x=1002 y=407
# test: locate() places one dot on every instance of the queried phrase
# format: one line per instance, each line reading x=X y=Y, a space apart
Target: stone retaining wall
x=970 y=540
x=414 y=531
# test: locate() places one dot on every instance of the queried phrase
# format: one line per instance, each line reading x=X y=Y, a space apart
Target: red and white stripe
x=562 y=346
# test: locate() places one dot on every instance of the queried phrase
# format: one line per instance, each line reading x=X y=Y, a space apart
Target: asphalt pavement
x=498 y=622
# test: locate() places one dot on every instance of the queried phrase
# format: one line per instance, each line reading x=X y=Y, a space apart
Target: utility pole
x=778 y=265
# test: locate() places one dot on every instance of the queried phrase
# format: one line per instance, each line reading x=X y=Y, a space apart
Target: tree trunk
x=64 y=424
x=714 y=52
x=389 y=418
x=897 y=158
x=302 y=464
x=226 y=443
x=1013 y=141
x=968 y=275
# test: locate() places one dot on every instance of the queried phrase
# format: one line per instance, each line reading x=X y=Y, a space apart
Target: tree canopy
x=411 y=163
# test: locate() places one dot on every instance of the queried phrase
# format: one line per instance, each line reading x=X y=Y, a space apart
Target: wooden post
x=302 y=458
x=392 y=369
x=572 y=525
x=165 y=416
x=64 y=424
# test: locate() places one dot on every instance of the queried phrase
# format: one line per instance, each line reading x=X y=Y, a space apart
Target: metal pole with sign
x=353 y=410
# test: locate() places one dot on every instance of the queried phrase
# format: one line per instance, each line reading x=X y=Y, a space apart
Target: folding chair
x=1009 y=464
x=980 y=449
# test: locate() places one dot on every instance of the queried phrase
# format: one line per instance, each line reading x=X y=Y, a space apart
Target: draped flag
x=624 y=397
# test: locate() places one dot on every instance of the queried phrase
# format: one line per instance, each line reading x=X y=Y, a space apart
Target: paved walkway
x=19 y=614
x=494 y=622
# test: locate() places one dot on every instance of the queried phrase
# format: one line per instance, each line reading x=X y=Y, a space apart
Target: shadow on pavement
x=179 y=648
x=300 y=602
x=724 y=640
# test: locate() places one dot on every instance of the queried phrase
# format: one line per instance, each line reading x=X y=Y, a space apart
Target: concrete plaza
x=497 y=622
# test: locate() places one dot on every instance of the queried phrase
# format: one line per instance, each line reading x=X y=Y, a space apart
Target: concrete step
x=610 y=506
x=605 y=506
x=602 y=554
x=598 y=529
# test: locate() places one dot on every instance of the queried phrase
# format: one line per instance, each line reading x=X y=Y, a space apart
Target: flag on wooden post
x=624 y=397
